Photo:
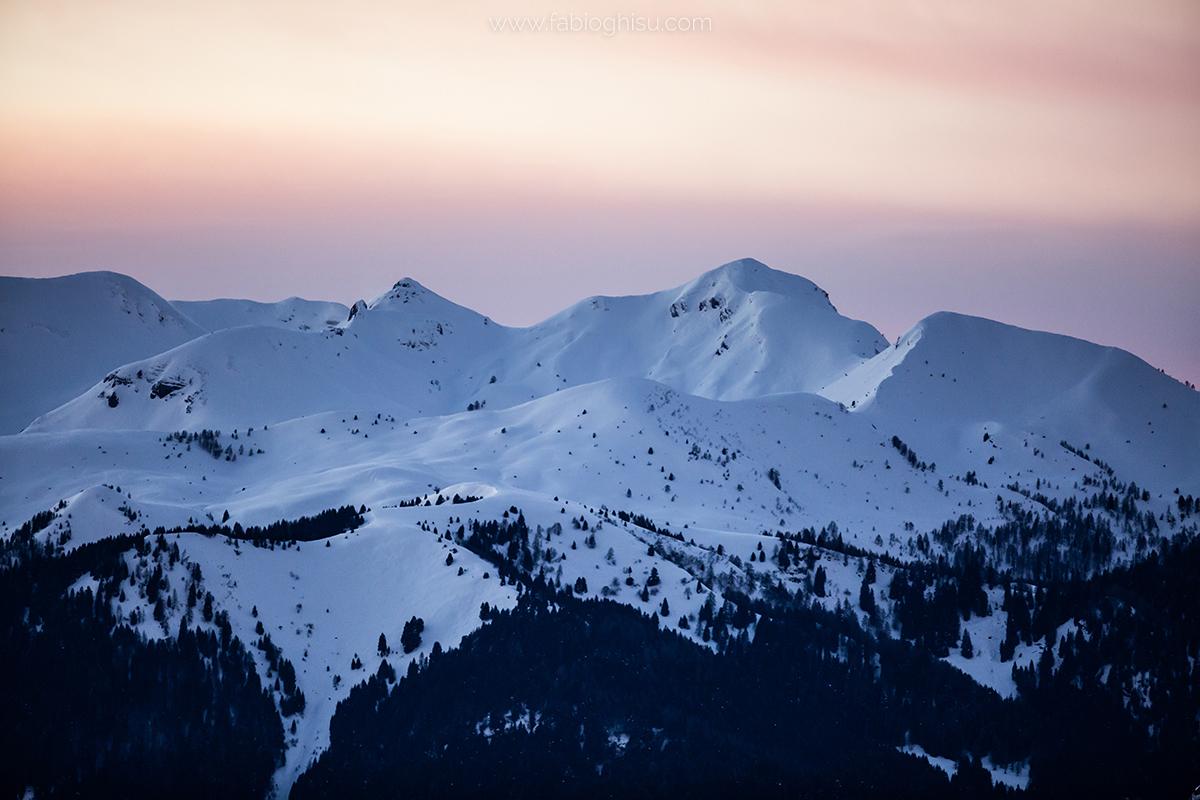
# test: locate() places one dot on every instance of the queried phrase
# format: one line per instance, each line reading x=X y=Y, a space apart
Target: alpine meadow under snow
x=716 y=537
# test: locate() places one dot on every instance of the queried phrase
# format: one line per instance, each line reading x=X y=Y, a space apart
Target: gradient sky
x=1033 y=161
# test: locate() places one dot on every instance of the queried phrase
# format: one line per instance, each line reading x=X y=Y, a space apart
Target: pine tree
x=384 y=650
x=968 y=650
x=1009 y=645
x=666 y=608
x=866 y=597
x=410 y=637
x=1046 y=666
x=819 y=582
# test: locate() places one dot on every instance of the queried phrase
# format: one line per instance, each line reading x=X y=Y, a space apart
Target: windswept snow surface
x=724 y=411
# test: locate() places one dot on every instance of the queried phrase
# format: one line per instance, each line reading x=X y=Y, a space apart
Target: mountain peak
x=405 y=290
x=750 y=276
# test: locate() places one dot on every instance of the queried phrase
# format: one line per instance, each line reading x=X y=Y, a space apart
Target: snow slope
x=324 y=605
x=394 y=355
x=952 y=378
x=741 y=330
x=627 y=444
x=293 y=313
x=58 y=336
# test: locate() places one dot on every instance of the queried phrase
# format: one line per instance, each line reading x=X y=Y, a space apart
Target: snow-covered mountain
x=58 y=336
x=952 y=378
x=662 y=450
x=739 y=331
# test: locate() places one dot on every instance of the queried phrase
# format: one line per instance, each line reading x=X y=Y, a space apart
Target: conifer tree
x=866 y=597
x=410 y=637
x=968 y=650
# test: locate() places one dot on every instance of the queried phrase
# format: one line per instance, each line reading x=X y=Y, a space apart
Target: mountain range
x=732 y=458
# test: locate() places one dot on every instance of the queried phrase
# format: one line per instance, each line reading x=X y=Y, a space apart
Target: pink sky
x=1034 y=162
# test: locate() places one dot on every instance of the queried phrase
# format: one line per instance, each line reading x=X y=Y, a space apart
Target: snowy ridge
x=60 y=335
x=742 y=330
x=736 y=332
x=293 y=313
x=954 y=377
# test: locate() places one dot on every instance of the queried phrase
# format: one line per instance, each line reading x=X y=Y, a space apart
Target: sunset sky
x=1033 y=161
